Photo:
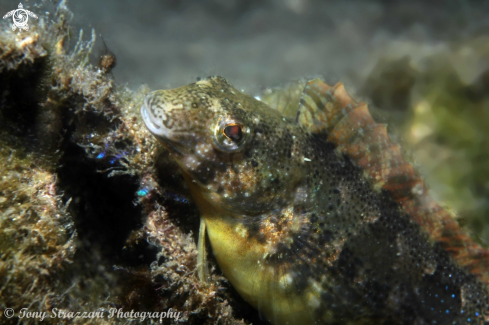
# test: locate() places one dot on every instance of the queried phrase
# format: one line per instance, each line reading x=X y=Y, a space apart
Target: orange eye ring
x=231 y=134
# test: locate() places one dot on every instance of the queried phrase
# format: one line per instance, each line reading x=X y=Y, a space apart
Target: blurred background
x=265 y=42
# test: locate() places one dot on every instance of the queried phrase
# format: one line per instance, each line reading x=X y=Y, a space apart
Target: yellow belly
x=243 y=263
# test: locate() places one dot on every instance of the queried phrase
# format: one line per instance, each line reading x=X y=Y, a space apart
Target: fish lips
x=153 y=124
x=175 y=141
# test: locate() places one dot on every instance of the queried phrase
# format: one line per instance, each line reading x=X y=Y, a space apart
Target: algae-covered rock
x=84 y=221
x=37 y=236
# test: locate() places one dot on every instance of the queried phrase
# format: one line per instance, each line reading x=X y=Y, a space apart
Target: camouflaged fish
x=311 y=211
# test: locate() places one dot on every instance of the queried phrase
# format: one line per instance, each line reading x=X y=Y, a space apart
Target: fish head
x=229 y=145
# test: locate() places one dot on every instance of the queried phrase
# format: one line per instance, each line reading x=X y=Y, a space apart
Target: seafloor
x=94 y=215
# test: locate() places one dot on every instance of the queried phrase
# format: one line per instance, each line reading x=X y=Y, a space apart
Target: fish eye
x=230 y=134
x=234 y=132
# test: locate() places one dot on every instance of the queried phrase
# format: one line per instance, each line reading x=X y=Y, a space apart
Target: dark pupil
x=233 y=132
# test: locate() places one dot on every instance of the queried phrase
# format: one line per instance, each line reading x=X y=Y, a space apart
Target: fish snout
x=154 y=114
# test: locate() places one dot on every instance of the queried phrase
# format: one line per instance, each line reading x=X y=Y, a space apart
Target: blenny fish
x=311 y=211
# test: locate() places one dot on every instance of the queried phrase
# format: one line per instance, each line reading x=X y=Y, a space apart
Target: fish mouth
x=153 y=124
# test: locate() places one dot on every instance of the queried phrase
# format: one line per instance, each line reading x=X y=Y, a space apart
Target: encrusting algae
x=313 y=215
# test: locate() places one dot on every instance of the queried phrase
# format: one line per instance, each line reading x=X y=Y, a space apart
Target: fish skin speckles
x=311 y=212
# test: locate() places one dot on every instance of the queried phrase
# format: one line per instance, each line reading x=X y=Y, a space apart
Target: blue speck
x=468 y=319
x=448 y=312
x=122 y=154
x=176 y=197
x=101 y=155
x=453 y=295
x=477 y=314
x=142 y=192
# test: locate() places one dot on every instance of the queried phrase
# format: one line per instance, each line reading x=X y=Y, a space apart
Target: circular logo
x=20 y=18
x=8 y=312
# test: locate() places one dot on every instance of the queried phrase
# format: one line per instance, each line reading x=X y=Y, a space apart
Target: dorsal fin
x=349 y=125
x=285 y=99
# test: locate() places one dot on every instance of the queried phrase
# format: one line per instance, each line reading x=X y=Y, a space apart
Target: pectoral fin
x=202 y=266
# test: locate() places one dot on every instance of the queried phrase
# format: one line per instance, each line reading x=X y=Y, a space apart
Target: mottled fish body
x=312 y=213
